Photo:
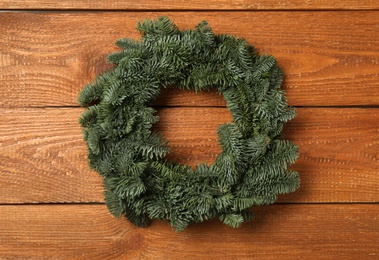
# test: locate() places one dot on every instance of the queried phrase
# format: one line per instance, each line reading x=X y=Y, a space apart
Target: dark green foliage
x=253 y=166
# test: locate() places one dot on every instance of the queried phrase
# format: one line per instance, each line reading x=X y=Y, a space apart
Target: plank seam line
x=102 y=203
x=52 y=203
x=175 y=106
x=37 y=11
x=342 y=106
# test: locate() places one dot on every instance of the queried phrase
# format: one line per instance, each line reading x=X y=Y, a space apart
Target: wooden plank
x=338 y=154
x=335 y=231
x=190 y=5
x=46 y=58
x=43 y=156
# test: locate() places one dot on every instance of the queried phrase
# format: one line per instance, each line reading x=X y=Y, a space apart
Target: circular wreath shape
x=140 y=183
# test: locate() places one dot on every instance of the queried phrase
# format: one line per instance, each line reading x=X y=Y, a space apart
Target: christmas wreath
x=140 y=183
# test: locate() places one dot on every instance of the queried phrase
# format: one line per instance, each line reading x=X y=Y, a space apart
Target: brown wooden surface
x=44 y=157
x=278 y=232
x=331 y=65
x=47 y=58
x=191 y=5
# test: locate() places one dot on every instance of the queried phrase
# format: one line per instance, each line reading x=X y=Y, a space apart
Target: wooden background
x=51 y=204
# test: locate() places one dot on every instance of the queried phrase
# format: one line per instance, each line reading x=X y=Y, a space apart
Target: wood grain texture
x=44 y=159
x=190 y=5
x=336 y=231
x=329 y=51
x=43 y=156
x=46 y=58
